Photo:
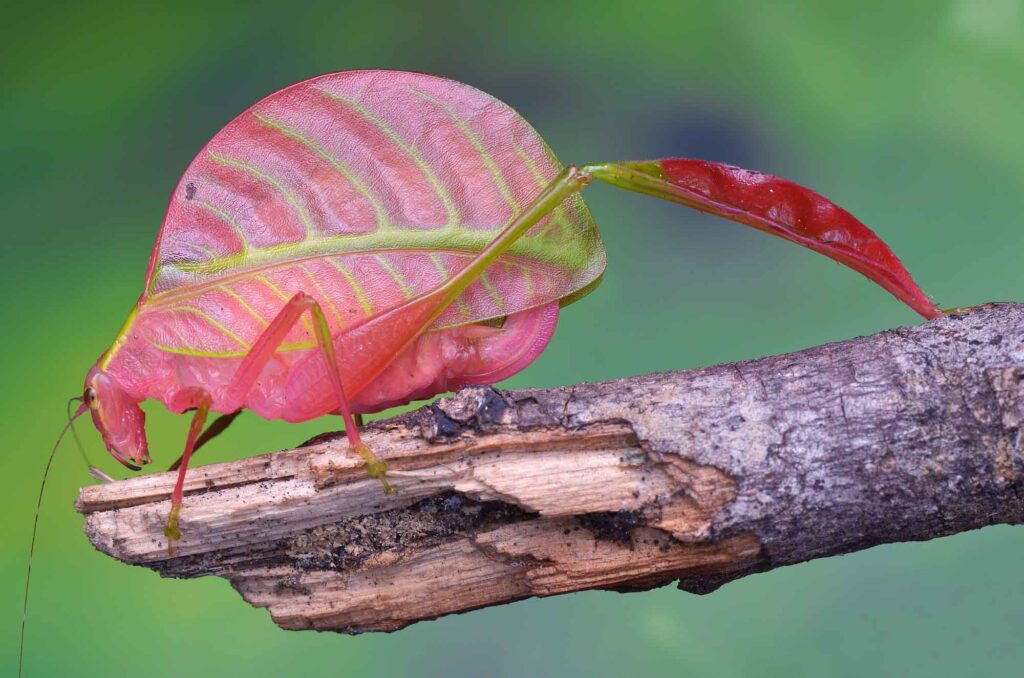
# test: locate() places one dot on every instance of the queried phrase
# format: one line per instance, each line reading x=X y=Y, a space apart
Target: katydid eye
x=90 y=398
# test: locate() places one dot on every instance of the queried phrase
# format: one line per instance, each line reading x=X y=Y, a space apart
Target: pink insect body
x=334 y=189
x=355 y=193
x=367 y=238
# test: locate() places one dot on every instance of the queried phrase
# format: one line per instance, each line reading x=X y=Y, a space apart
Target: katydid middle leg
x=268 y=343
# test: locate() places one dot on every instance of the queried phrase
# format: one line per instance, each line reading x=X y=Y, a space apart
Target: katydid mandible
x=363 y=239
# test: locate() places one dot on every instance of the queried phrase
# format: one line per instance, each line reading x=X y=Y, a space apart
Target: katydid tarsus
x=367 y=238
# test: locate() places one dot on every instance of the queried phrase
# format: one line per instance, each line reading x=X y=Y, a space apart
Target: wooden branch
x=701 y=476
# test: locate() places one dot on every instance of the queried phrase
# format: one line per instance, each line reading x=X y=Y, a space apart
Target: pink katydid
x=344 y=245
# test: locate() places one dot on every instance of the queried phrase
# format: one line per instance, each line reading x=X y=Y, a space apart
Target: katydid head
x=118 y=418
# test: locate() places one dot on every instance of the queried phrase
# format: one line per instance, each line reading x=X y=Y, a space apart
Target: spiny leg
x=268 y=343
x=171 y=530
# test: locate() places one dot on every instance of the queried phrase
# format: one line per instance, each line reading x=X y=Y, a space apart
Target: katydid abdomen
x=293 y=385
x=434 y=363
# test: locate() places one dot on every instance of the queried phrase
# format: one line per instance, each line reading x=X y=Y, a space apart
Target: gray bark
x=699 y=477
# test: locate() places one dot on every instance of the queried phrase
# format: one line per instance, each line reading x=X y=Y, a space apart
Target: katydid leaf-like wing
x=776 y=206
x=363 y=189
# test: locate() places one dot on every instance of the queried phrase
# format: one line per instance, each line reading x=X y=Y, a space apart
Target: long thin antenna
x=35 y=527
x=93 y=470
x=74 y=433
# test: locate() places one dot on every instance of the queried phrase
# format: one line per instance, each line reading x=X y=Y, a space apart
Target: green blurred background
x=908 y=114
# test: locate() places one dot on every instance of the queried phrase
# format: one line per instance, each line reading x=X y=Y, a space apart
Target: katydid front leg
x=201 y=400
x=216 y=427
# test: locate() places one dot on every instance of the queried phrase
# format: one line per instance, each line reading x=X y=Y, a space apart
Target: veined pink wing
x=362 y=188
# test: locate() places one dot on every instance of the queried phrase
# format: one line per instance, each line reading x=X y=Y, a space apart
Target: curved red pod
x=777 y=206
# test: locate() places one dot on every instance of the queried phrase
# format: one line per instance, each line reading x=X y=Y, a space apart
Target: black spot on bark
x=735 y=421
x=446 y=426
x=616 y=526
x=492 y=408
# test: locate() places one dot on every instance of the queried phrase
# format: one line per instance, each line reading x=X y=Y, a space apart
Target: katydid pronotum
x=367 y=238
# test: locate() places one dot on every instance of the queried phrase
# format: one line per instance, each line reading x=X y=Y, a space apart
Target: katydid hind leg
x=569 y=181
x=776 y=206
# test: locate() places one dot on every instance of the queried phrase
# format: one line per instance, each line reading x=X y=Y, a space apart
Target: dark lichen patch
x=443 y=425
x=734 y=422
x=703 y=584
x=473 y=409
x=492 y=407
x=616 y=526
x=348 y=544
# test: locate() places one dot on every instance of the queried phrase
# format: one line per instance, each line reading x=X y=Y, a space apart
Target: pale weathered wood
x=700 y=476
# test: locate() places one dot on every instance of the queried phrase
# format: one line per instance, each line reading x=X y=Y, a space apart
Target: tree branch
x=701 y=476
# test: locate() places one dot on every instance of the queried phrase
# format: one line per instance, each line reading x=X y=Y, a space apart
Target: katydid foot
x=375 y=466
x=171 y=530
